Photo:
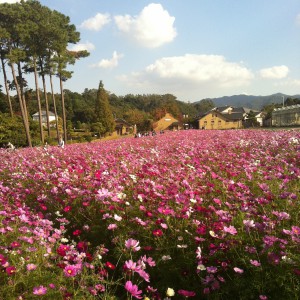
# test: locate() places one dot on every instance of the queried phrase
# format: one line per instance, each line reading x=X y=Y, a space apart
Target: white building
x=35 y=117
x=286 y=116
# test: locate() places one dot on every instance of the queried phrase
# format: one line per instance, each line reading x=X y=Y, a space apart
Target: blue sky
x=193 y=49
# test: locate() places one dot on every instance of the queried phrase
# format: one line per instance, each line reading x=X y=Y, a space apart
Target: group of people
x=141 y=134
x=148 y=133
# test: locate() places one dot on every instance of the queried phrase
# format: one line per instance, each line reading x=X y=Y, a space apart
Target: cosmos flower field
x=189 y=214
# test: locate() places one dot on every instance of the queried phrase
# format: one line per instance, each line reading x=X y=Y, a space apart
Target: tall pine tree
x=103 y=113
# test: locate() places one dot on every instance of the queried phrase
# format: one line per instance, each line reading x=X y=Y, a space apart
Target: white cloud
x=97 y=22
x=201 y=69
x=83 y=46
x=190 y=77
x=109 y=63
x=298 y=19
x=276 y=72
x=152 y=28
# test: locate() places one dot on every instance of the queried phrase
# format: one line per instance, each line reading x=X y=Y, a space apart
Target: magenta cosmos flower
x=133 y=290
x=3 y=260
x=39 y=290
x=157 y=232
x=70 y=271
x=186 y=294
x=10 y=270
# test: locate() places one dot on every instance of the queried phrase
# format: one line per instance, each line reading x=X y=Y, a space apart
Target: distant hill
x=250 y=101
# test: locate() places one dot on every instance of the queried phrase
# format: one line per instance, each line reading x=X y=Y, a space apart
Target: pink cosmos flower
x=100 y=287
x=62 y=249
x=15 y=244
x=31 y=267
x=133 y=290
x=70 y=271
x=249 y=223
x=110 y=265
x=132 y=245
x=148 y=260
x=76 y=232
x=10 y=270
x=296 y=230
x=112 y=226
x=212 y=269
x=238 y=270
x=230 y=230
x=130 y=265
x=157 y=232
x=39 y=290
x=255 y=263
x=3 y=260
x=67 y=208
x=143 y=274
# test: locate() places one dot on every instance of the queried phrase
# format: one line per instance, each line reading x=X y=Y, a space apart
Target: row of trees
x=33 y=41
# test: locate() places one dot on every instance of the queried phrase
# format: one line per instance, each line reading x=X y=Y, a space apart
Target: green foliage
x=12 y=130
x=204 y=106
x=103 y=113
x=291 y=101
x=251 y=120
x=99 y=128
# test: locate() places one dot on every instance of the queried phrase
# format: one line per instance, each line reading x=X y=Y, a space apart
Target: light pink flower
x=230 y=230
x=132 y=245
x=39 y=290
x=31 y=267
x=255 y=263
x=112 y=226
x=133 y=290
x=238 y=270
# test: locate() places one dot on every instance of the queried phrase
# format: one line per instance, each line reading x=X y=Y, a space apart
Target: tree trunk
x=22 y=93
x=46 y=97
x=46 y=104
x=55 y=110
x=6 y=88
x=38 y=100
x=63 y=108
x=23 y=112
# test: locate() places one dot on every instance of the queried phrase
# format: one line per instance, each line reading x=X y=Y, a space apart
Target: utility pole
x=282 y=101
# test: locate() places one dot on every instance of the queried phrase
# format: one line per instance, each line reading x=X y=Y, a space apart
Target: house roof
x=121 y=122
x=234 y=116
x=44 y=113
x=287 y=107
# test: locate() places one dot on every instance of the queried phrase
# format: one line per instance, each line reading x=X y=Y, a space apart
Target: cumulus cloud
x=83 y=46
x=201 y=68
x=190 y=77
x=96 y=23
x=109 y=63
x=276 y=72
x=152 y=28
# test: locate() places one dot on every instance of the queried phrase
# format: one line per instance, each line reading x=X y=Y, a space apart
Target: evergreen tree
x=103 y=113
